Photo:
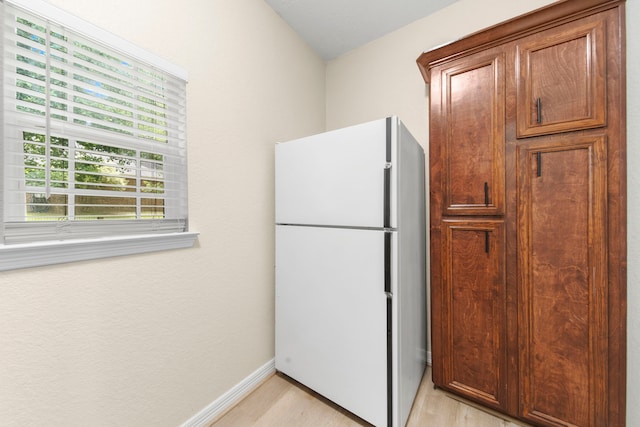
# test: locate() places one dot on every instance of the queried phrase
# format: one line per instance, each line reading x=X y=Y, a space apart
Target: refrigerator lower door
x=331 y=315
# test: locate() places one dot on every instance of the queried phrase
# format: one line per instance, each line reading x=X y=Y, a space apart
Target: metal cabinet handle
x=486 y=241
x=486 y=193
x=539 y=161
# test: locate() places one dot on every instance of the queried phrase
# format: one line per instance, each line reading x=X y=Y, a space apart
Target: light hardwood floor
x=281 y=402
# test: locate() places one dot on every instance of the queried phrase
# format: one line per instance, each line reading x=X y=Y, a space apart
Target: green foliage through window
x=98 y=171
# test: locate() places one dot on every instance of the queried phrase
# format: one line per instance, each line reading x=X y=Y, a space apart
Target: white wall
x=150 y=340
x=382 y=78
x=633 y=209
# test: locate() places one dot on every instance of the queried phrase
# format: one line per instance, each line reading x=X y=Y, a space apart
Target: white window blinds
x=94 y=138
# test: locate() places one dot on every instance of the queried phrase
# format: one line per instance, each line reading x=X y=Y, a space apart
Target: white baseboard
x=231 y=397
x=209 y=413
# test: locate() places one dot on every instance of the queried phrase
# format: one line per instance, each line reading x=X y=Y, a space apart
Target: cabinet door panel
x=473 y=310
x=473 y=138
x=561 y=84
x=563 y=289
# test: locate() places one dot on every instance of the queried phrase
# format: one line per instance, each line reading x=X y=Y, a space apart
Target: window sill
x=17 y=256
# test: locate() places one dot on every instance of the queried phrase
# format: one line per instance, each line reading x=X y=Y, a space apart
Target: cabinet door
x=562 y=78
x=470 y=137
x=562 y=312
x=473 y=318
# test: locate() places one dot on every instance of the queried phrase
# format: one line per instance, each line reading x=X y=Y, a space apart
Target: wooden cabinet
x=561 y=83
x=528 y=215
x=472 y=134
x=473 y=287
x=467 y=180
x=562 y=305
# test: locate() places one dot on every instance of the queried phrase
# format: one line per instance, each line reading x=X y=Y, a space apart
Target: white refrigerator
x=350 y=267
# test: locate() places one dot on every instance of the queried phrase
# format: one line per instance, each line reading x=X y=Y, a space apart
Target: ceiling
x=333 y=27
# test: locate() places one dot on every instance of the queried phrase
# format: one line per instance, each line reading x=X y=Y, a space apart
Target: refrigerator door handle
x=389 y=134
x=386 y=220
x=387 y=262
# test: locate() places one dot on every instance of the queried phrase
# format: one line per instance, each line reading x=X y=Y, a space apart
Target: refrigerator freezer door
x=331 y=315
x=337 y=178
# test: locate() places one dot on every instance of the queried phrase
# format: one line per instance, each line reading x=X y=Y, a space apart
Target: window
x=94 y=138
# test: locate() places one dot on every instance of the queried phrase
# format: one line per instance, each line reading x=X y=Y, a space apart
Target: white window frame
x=38 y=253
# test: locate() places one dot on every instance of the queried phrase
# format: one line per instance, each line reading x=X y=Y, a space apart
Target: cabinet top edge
x=511 y=29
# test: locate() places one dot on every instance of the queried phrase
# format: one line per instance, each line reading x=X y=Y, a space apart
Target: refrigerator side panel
x=335 y=178
x=331 y=323
x=410 y=295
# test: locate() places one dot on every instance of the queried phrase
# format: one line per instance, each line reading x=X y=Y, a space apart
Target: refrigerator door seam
x=346 y=227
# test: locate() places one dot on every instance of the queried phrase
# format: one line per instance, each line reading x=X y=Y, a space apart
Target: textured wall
x=633 y=212
x=150 y=340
